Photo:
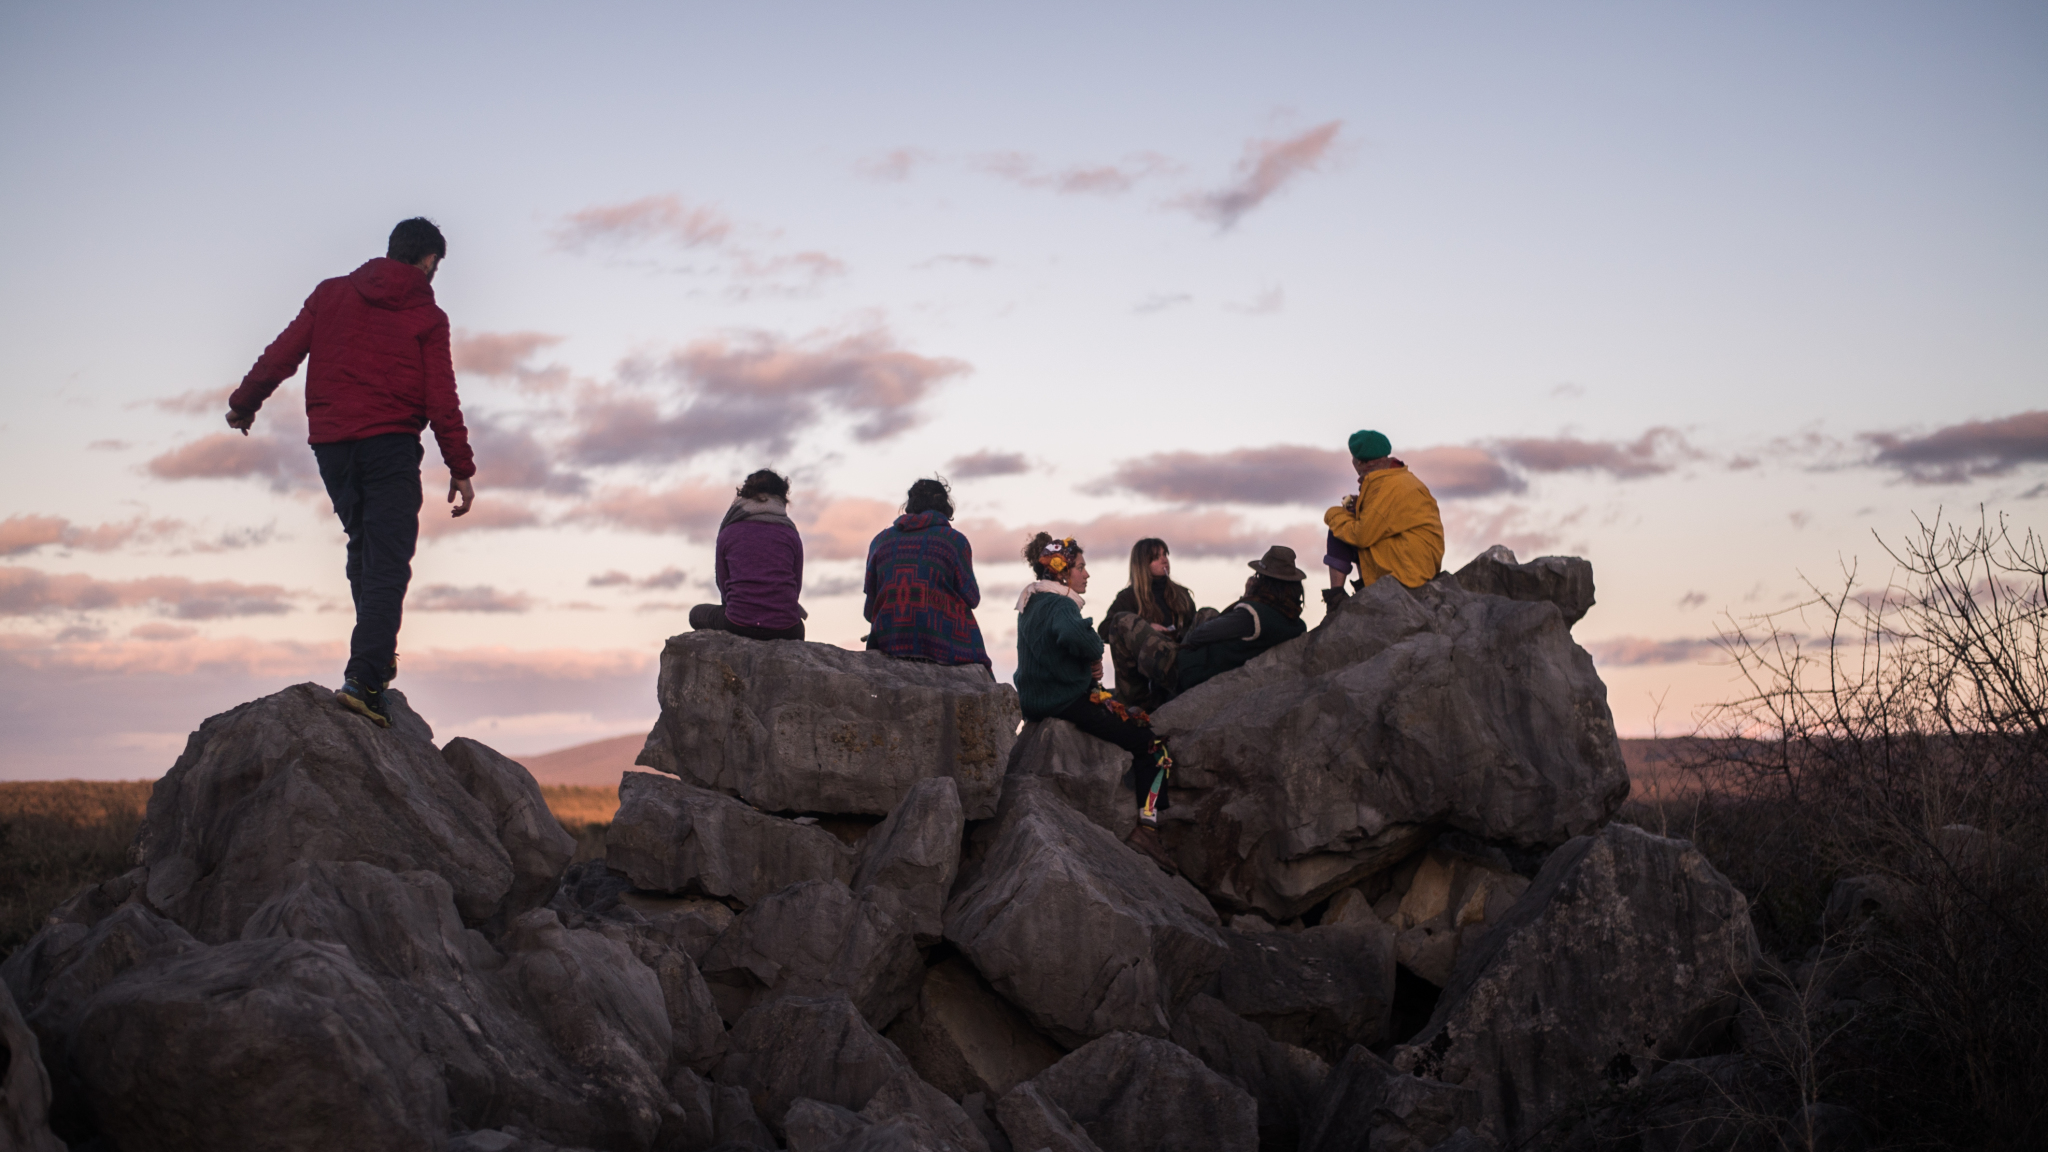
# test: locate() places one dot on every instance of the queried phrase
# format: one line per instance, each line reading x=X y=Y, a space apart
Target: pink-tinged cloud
x=987 y=462
x=507 y=356
x=1107 y=540
x=491 y=512
x=508 y=456
x=275 y=452
x=22 y=534
x=758 y=389
x=668 y=578
x=1527 y=532
x=1633 y=651
x=611 y=579
x=964 y=259
x=1654 y=453
x=648 y=218
x=1267 y=167
x=1077 y=180
x=32 y=592
x=893 y=166
x=475 y=598
x=840 y=529
x=1961 y=451
x=162 y=633
x=1279 y=474
x=690 y=509
x=1455 y=472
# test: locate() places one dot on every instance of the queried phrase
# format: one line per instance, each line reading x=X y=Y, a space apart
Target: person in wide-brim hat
x=1268 y=614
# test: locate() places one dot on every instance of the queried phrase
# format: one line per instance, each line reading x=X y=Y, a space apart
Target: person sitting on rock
x=759 y=566
x=1153 y=603
x=1059 y=674
x=1268 y=614
x=920 y=587
x=1391 y=528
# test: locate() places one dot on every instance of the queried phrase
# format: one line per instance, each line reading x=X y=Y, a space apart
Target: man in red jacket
x=381 y=372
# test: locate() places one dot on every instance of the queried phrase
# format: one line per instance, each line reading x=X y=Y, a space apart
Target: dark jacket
x=1056 y=653
x=1132 y=686
x=380 y=362
x=759 y=565
x=921 y=593
x=1244 y=630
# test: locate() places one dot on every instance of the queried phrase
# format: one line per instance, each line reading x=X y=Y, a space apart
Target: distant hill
x=600 y=762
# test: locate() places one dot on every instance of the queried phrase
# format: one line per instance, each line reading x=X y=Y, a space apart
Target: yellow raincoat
x=1396 y=529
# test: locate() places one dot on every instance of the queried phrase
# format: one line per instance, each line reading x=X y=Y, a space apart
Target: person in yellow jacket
x=1391 y=527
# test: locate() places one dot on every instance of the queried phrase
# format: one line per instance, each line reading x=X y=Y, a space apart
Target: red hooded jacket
x=380 y=362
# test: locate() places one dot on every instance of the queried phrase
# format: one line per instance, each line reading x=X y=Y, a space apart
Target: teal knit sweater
x=1056 y=653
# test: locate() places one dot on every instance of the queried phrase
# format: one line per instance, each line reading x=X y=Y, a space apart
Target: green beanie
x=1369 y=446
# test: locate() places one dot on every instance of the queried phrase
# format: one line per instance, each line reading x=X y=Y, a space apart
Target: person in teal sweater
x=1059 y=677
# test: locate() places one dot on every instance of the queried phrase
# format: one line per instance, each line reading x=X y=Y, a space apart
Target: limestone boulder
x=1368 y=1106
x=1332 y=757
x=1323 y=989
x=316 y=1055
x=964 y=1039
x=1566 y=581
x=1031 y=1120
x=671 y=837
x=1285 y=1082
x=819 y=1048
x=24 y=1086
x=1137 y=1093
x=294 y=776
x=1075 y=928
x=909 y=861
x=1441 y=904
x=534 y=841
x=816 y=938
x=1088 y=774
x=797 y=727
x=1628 y=950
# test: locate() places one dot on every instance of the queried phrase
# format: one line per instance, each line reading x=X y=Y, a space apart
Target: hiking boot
x=367 y=701
x=1145 y=838
x=1333 y=599
x=393 y=674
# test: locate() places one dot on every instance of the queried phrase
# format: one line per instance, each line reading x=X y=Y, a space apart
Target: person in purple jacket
x=760 y=566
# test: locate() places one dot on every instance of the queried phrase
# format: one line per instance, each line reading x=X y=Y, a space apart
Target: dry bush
x=585 y=812
x=1902 y=734
x=58 y=837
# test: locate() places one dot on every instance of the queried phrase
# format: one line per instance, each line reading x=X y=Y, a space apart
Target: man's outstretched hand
x=241 y=420
x=467 y=492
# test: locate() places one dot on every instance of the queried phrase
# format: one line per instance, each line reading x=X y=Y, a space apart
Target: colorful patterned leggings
x=1103 y=717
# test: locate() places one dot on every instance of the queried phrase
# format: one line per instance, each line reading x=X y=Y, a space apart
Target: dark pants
x=711 y=618
x=1131 y=735
x=1339 y=554
x=374 y=484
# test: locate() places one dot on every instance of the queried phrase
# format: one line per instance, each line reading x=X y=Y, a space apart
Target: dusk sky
x=1719 y=296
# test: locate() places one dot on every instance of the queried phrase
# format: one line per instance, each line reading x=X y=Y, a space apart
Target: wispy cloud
x=20 y=535
x=32 y=592
x=508 y=356
x=758 y=389
x=893 y=166
x=1632 y=651
x=491 y=512
x=1266 y=303
x=960 y=259
x=690 y=509
x=1267 y=167
x=275 y=451
x=508 y=456
x=987 y=462
x=1280 y=474
x=663 y=218
x=667 y=578
x=840 y=529
x=1962 y=451
x=1160 y=302
x=1456 y=472
x=474 y=598
x=1654 y=453
x=1075 y=180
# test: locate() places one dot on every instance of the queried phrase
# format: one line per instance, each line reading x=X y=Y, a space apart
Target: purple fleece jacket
x=760 y=572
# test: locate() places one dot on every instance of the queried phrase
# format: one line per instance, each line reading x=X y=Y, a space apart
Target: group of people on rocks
x=382 y=373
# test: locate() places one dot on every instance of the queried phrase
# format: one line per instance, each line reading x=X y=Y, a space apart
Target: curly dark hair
x=765 y=483
x=1286 y=595
x=930 y=495
x=1035 y=554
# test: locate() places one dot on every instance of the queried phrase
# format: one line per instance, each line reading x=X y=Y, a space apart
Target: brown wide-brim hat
x=1278 y=562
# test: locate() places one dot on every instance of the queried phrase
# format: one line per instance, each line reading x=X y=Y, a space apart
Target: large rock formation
x=794 y=727
x=1566 y=581
x=671 y=837
x=1334 y=756
x=1136 y=1093
x=1079 y=931
x=24 y=1087
x=1627 y=951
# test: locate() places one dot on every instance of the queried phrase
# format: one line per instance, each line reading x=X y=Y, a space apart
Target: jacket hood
x=918 y=522
x=387 y=283
x=760 y=509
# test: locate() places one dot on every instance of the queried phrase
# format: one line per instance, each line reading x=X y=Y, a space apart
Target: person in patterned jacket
x=920 y=587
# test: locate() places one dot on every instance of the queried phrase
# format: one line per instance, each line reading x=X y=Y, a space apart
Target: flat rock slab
x=1566 y=581
x=1627 y=951
x=909 y=861
x=671 y=837
x=1076 y=929
x=1085 y=772
x=1285 y=1081
x=1323 y=989
x=816 y=938
x=795 y=727
x=963 y=1038
x=1137 y=1093
x=1369 y=1106
x=1333 y=756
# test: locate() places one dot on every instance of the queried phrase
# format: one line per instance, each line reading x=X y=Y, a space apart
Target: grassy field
x=58 y=837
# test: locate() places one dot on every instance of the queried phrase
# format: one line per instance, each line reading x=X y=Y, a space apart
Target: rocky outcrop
x=1368 y=1106
x=671 y=837
x=1332 y=757
x=1324 y=989
x=1076 y=929
x=532 y=838
x=816 y=938
x=1565 y=581
x=964 y=1039
x=909 y=862
x=1088 y=774
x=1441 y=903
x=24 y=1087
x=794 y=727
x=1627 y=951
x=1286 y=1082
x=1136 y=1093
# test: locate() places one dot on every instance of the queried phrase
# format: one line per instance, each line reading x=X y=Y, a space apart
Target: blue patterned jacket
x=921 y=593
